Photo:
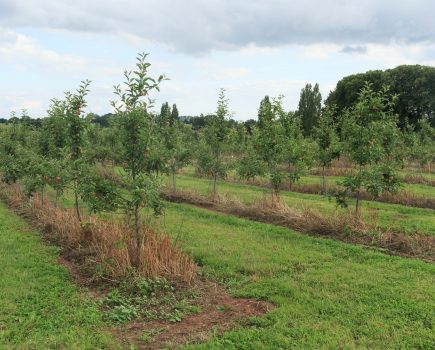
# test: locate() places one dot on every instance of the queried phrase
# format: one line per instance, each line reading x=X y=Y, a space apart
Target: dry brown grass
x=418 y=180
x=416 y=167
x=342 y=225
x=115 y=249
x=339 y=167
x=332 y=171
x=406 y=198
x=108 y=172
x=272 y=211
x=309 y=220
x=343 y=167
x=106 y=248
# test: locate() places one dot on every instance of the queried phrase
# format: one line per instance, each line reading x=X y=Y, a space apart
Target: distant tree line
x=414 y=86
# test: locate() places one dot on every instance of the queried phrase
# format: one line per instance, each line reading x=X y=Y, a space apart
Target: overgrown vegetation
x=147 y=299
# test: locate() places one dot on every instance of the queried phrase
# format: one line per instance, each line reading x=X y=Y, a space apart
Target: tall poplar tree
x=309 y=107
x=174 y=113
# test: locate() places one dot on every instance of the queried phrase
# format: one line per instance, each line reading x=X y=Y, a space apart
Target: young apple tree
x=211 y=160
x=298 y=151
x=328 y=145
x=425 y=145
x=370 y=136
x=137 y=132
x=266 y=152
x=77 y=125
x=176 y=154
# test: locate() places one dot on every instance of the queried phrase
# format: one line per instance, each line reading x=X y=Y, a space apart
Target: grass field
x=40 y=308
x=398 y=217
x=329 y=295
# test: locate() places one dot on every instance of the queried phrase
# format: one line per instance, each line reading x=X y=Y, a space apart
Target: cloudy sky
x=251 y=48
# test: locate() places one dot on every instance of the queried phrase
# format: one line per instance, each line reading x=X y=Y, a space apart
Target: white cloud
x=220 y=72
x=252 y=49
x=395 y=54
x=321 y=50
x=231 y=73
x=21 y=48
x=195 y=26
x=17 y=100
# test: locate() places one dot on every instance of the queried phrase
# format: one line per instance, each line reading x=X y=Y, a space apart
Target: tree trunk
x=357 y=205
x=323 y=180
x=275 y=195
x=76 y=201
x=56 y=199
x=214 y=184
x=138 y=235
x=42 y=195
x=174 y=185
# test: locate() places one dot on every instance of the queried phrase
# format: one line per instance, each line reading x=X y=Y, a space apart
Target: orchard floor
x=40 y=307
x=327 y=294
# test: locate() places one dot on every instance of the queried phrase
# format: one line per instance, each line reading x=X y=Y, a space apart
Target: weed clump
x=148 y=299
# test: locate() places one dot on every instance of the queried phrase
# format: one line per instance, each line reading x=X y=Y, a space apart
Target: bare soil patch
x=220 y=312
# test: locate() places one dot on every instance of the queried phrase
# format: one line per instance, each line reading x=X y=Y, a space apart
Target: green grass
x=40 y=308
x=399 y=217
x=329 y=295
x=420 y=190
x=417 y=189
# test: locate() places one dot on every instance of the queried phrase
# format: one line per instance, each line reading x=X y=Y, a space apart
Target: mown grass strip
x=397 y=217
x=40 y=308
x=343 y=226
x=329 y=295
